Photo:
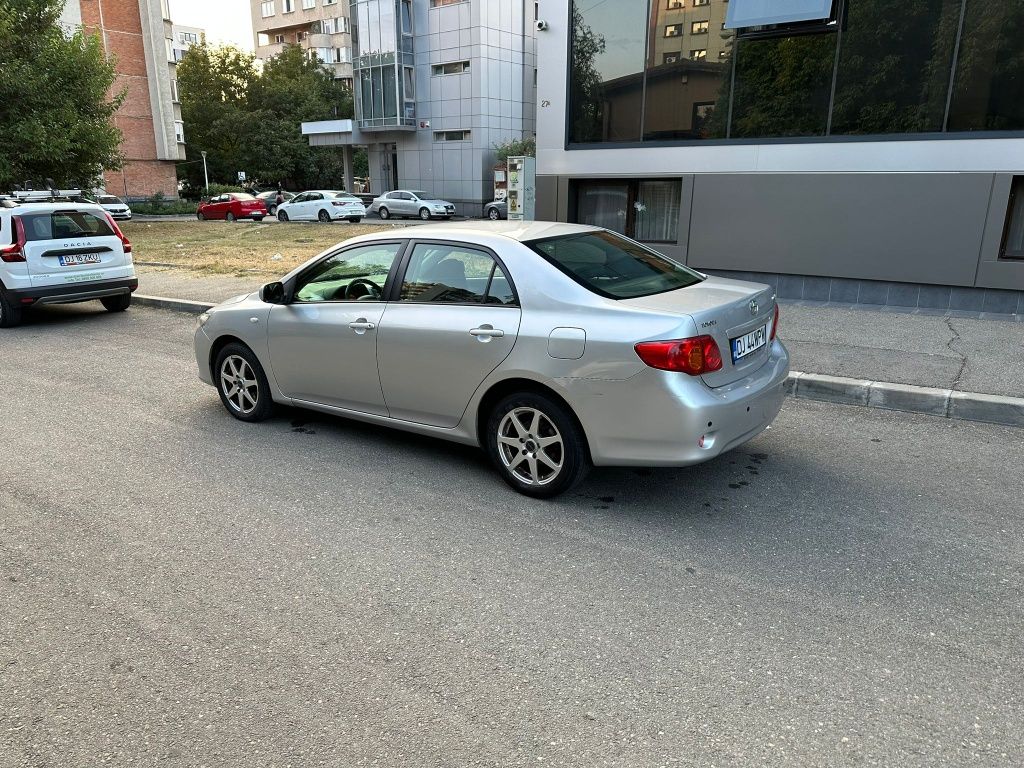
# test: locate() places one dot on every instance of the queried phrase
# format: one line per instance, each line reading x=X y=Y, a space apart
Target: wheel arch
x=506 y=387
x=218 y=345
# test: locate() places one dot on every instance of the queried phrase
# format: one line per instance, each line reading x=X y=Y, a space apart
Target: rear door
x=72 y=246
x=456 y=319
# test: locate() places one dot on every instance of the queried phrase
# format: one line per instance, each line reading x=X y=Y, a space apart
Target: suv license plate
x=79 y=258
x=749 y=342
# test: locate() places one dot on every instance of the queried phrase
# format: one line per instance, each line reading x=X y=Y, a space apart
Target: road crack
x=955 y=340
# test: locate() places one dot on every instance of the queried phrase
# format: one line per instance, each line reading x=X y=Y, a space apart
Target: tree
x=213 y=85
x=56 y=105
x=516 y=148
x=293 y=89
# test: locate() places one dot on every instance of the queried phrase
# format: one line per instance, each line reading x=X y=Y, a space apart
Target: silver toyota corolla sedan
x=555 y=347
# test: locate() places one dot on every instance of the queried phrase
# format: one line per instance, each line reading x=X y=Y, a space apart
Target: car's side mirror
x=272 y=293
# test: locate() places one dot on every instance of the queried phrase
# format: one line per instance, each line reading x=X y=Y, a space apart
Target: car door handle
x=486 y=331
x=362 y=325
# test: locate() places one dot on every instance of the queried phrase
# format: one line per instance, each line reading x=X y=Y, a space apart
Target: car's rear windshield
x=64 y=224
x=612 y=266
x=242 y=196
x=108 y=200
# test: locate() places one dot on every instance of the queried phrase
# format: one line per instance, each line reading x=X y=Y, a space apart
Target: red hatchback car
x=235 y=205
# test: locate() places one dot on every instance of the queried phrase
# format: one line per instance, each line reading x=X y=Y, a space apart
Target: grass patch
x=242 y=249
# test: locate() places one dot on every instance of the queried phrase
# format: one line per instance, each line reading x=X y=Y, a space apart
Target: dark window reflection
x=894 y=64
x=783 y=86
x=988 y=92
x=688 y=67
x=608 y=70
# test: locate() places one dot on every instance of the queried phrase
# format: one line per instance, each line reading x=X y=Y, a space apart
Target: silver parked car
x=495 y=210
x=407 y=203
x=553 y=346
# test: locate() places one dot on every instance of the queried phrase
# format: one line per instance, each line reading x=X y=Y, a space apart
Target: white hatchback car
x=115 y=206
x=62 y=253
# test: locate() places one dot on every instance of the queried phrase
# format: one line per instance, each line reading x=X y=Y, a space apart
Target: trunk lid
x=71 y=245
x=725 y=310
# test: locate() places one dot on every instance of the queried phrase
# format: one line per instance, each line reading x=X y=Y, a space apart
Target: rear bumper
x=70 y=294
x=658 y=418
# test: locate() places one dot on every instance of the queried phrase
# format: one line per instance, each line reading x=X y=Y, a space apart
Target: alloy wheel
x=530 y=446
x=239 y=385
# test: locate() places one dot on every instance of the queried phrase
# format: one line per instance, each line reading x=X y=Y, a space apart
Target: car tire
x=252 y=401
x=272 y=210
x=323 y=217
x=355 y=219
x=230 y=217
x=492 y=214
x=10 y=313
x=282 y=216
x=424 y=214
x=118 y=303
x=510 y=434
x=199 y=215
x=384 y=213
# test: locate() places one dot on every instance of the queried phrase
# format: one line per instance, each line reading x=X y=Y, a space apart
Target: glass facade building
x=383 y=64
x=669 y=70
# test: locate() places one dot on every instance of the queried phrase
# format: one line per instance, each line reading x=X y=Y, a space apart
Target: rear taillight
x=693 y=356
x=15 y=251
x=120 y=235
x=775 y=323
x=338 y=204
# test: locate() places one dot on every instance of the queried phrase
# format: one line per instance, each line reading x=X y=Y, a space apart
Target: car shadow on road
x=65 y=314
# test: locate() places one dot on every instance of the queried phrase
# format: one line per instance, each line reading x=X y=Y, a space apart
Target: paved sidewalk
x=944 y=352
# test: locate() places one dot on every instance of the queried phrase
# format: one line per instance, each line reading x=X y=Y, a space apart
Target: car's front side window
x=358 y=274
x=454 y=274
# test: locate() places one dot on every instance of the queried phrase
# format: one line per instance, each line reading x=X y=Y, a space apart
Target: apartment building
x=438 y=83
x=321 y=27
x=856 y=151
x=138 y=34
x=184 y=38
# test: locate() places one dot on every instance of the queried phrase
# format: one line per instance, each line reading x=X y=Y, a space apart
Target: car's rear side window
x=613 y=266
x=64 y=224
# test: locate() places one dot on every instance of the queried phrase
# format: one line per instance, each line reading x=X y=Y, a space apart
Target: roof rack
x=45 y=195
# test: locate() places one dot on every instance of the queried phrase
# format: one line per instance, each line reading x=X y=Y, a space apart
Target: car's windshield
x=345 y=196
x=420 y=194
x=108 y=200
x=614 y=266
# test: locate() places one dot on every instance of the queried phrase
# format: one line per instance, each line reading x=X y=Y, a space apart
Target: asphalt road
x=179 y=588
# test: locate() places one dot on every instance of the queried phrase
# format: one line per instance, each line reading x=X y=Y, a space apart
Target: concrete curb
x=176 y=305
x=945 y=403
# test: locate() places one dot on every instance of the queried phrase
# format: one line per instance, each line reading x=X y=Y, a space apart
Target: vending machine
x=522 y=188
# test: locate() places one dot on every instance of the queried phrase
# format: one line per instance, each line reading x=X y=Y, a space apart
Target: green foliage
x=55 y=103
x=249 y=121
x=157 y=206
x=516 y=148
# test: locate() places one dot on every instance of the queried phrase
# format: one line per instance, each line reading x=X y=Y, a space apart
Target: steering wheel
x=372 y=289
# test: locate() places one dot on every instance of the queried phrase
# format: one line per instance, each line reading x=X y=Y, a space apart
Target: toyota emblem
x=753 y=307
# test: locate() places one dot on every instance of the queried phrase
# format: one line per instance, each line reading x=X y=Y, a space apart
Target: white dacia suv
x=62 y=253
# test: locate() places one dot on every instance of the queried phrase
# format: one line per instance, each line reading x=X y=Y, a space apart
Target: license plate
x=749 y=342
x=79 y=258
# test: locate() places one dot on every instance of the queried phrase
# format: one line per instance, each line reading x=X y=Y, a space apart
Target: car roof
x=522 y=231
x=54 y=207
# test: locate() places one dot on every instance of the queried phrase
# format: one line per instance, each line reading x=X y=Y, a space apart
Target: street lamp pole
x=206 y=176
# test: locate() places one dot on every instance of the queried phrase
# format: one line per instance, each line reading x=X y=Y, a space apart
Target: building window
x=699 y=28
x=1013 y=238
x=451 y=135
x=670 y=58
x=406 y=17
x=343 y=55
x=673 y=30
x=330 y=2
x=697 y=3
x=287 y=6
x=674 y=4
x=698 y=54
x=165 y=7
x=646 y=210
x=179 y=131
x=451 y=68
x=324 y=27
x=439 y=3
x=174 y=90
x=169 y=43
x=409 y=79
x=267 y=8
x=308 y=4
x=278 y=39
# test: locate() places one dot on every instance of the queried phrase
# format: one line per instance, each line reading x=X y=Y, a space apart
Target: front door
x=455 y=321
x=323 y=344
